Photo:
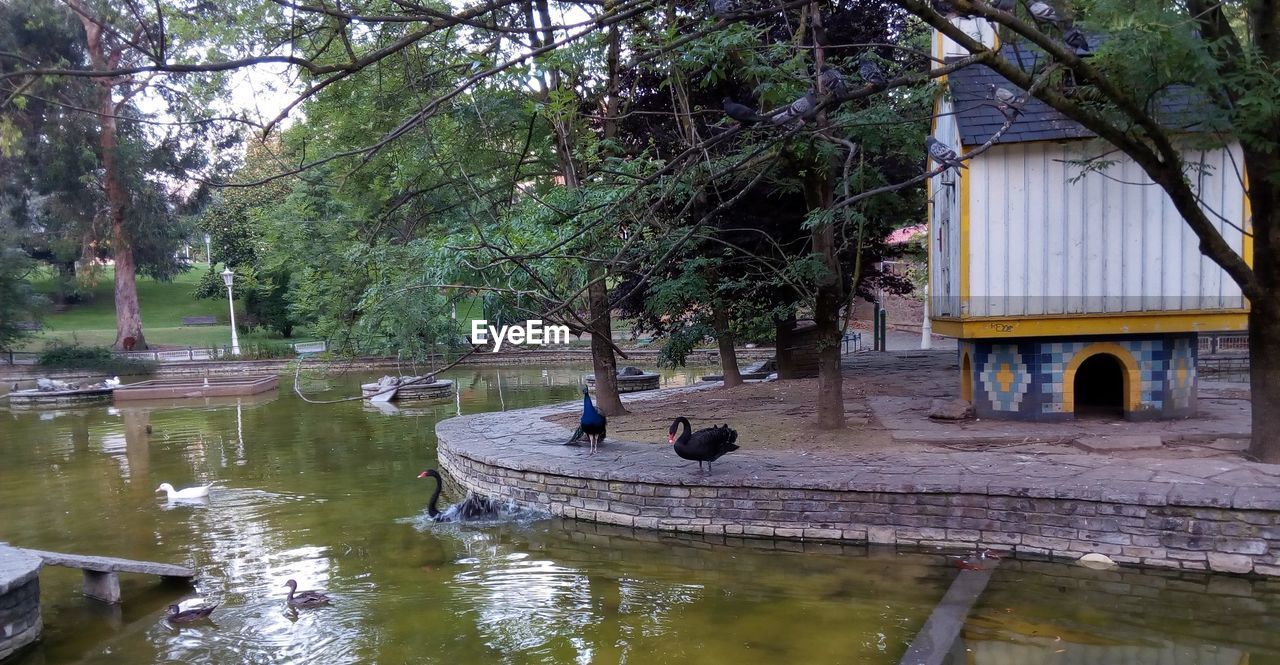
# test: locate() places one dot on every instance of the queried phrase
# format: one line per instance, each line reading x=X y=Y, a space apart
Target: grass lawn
x=163 y=304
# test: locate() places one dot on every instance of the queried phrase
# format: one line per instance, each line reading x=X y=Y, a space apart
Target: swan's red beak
x=423 y=474
x=671 y=438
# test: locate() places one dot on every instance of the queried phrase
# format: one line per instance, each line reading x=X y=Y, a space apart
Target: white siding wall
x=977 y=28
x=1043 y=240
x=944 y=227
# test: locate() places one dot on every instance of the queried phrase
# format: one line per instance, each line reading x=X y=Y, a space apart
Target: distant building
x=1071 y=292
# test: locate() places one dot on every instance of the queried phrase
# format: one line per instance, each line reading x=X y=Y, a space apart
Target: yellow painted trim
x=966 y=377
x=1091 y=324
x=939 y=48
x=1132 y=375
x=964 y=241
x=1246 y=247
x=931 y=292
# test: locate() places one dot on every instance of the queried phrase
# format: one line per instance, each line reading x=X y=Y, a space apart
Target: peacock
x=592 y=423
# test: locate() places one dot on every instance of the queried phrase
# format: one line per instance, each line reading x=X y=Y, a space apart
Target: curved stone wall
x=1196 y=514
x=20 y=623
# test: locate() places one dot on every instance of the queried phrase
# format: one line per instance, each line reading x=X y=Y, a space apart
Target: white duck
x=113 y=382
x=185 y=493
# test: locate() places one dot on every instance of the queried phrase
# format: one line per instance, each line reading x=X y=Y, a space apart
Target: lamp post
x=208 y=250
x=227 y=278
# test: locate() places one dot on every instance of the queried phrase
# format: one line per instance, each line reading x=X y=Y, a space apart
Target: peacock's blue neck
x=589 y=414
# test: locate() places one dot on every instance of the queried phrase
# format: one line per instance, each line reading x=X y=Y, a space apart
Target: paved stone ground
x=523 y=437
x=1191 y=513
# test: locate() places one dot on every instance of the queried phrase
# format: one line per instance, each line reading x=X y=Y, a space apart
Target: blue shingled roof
x=978 y=116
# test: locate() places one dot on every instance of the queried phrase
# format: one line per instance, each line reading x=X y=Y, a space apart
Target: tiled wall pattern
x=1029 y=379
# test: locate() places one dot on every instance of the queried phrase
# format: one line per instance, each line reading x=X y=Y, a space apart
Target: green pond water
x=328 y=495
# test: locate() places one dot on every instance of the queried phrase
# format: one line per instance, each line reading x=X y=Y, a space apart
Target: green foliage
x=264 y=296
x=211 y=285
x=18 y=302
x=266 y=303
x=92 y=358
x=681 y=342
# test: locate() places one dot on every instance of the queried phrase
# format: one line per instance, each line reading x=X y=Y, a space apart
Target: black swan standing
x=178 y=615
x=592 y=423
x=305 y=598
x=705 y=445
x=472 y=508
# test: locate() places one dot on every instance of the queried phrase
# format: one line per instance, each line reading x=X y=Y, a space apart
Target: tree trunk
x=602 y=359
x=1264 y=314
x=826 y=311
x=783 y=343
x=128 y=316
x=728 y=354
x=829 y=291
x=129 y=335
x=1264 y=380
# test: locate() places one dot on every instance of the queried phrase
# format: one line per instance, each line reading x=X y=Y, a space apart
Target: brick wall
x=1166 y=536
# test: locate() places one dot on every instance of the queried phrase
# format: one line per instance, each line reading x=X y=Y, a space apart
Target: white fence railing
x=189 y=354
x=1229 y=343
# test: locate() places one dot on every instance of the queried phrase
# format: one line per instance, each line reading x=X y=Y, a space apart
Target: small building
x=1071 y=290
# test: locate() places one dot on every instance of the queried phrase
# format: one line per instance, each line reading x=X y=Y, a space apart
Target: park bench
x=102 y=573
x=199 y=320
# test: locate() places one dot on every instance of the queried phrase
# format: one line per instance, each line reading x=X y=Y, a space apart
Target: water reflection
x=328 y=495
x=1039 y=612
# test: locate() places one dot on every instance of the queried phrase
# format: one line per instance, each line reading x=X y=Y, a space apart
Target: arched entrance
x=1100 y=386
x=966 y=379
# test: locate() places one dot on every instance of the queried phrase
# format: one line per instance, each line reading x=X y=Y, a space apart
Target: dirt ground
x=780 y=415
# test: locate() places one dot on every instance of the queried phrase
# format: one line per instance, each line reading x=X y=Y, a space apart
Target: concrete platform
x=196 y=387
x=630 y=383
x=1191 y=514
x=50 y=398
x=20 y=621
x=439 y=389
x=101 y=573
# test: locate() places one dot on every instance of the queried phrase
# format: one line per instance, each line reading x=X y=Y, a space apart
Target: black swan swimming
x=705 y=445
x=305 y=598
x=179 y=615
x=592 y=423
x=470 y=509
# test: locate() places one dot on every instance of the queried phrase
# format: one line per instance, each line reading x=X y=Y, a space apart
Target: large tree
x=568 y=204
x=94 y=175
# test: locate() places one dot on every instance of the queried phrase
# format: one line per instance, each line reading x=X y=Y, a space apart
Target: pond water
x=329 y=495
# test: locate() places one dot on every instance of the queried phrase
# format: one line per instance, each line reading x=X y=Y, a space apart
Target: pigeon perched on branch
x=1076 y=40
x=832 y=81
x=1003 y=95
x=870 y=72
x=1006 y=99
x=942 y=154
x=740 y=112
x=1004 y=5
x=801 y=109
x=1043 y=12
x=721 y=8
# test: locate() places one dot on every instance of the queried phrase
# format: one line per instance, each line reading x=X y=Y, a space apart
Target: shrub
x=92 y=358
x=255 y=351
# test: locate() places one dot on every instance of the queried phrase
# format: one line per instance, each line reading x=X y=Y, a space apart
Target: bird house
x=1070 y=280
